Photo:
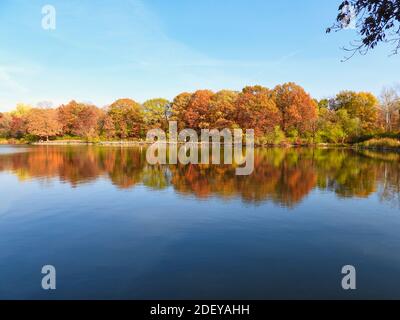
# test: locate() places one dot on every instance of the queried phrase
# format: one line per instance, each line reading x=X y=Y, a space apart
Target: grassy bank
x=68 y=140
x=376 y=143
x=380 y=144
x=144 y=143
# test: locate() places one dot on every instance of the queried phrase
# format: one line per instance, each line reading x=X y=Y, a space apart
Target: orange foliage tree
x=43 y=123
x=222 y=109
x=285 y=114
x=79 y=119
x=179 y=108
x=255 y=109
x=298 y=110
x=197 y=115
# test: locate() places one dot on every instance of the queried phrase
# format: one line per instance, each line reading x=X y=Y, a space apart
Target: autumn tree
x=107 y=127
x=286 y=113
x=222 y=109
x=18 y=127
x=298 y=110
x=337 y=126
x=360 y=105
x=350 y=126
x=18 y=121
x=197 y=115
x=21 y=110
x=79 y=119
x=127 y=117
x=256 y=109
x=323 y=104
x=179 y=107
x=5 y=123
x=43 y=123
x=156 y=113
x=90 y=121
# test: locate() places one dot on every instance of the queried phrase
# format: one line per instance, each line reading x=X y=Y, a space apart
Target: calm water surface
x=116 y=227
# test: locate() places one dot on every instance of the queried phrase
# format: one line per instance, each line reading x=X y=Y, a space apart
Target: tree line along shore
x=284 y=115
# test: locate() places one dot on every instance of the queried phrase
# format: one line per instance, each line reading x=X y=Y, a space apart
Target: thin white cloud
x=7 y=81
x=117 y=49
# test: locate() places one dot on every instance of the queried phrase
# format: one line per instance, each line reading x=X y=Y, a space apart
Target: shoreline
x=145 y=144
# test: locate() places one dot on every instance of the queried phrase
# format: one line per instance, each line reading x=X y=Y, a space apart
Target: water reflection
x=284 y=176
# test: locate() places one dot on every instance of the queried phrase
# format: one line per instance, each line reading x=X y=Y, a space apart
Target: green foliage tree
x=361 y=105
x=157 y=113
x=336 y=126
x=21 y=110
x=275 y=137
x=323 y=104
x=127 y=117
x=5 y=124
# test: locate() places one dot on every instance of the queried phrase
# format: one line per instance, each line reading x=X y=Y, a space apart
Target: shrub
x=275 y=137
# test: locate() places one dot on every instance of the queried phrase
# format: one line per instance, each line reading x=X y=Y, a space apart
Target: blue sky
x=102 y=50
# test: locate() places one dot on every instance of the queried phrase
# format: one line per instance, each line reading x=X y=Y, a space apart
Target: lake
x=115 y=227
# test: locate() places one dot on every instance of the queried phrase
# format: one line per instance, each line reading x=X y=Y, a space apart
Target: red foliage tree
x=257 y=110
x=18 y=127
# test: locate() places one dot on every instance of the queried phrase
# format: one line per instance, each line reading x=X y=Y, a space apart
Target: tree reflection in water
x=284 y=176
